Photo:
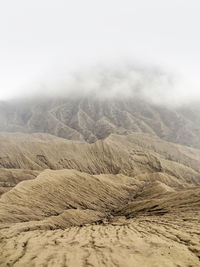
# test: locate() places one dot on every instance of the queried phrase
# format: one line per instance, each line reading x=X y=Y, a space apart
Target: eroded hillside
x=93 y=118
x=124 y=201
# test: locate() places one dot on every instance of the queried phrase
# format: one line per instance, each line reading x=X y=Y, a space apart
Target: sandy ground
x=155 y=241
x=69 y=218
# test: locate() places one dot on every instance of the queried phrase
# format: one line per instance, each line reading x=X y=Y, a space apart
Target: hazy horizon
x=112 y=80
x=50 y=48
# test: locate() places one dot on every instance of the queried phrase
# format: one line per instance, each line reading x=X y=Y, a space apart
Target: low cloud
x=151 y=83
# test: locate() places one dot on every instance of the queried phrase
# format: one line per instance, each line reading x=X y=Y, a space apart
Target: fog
x=108 y=81
x=110 y=48
x=119 y=79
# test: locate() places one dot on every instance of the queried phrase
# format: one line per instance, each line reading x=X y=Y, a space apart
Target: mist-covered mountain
x=92 y=118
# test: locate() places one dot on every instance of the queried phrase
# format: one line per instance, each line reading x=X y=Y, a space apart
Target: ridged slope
x=92 y=118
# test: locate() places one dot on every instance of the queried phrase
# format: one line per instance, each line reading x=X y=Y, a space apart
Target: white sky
x=43 y=36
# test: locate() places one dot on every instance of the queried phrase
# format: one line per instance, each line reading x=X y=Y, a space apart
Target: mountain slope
x=92 y=118
x=130 y=155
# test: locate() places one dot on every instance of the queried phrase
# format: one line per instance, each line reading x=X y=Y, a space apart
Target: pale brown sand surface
x=123 y=201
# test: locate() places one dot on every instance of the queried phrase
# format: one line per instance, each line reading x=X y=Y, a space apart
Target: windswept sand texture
x=123 y=201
